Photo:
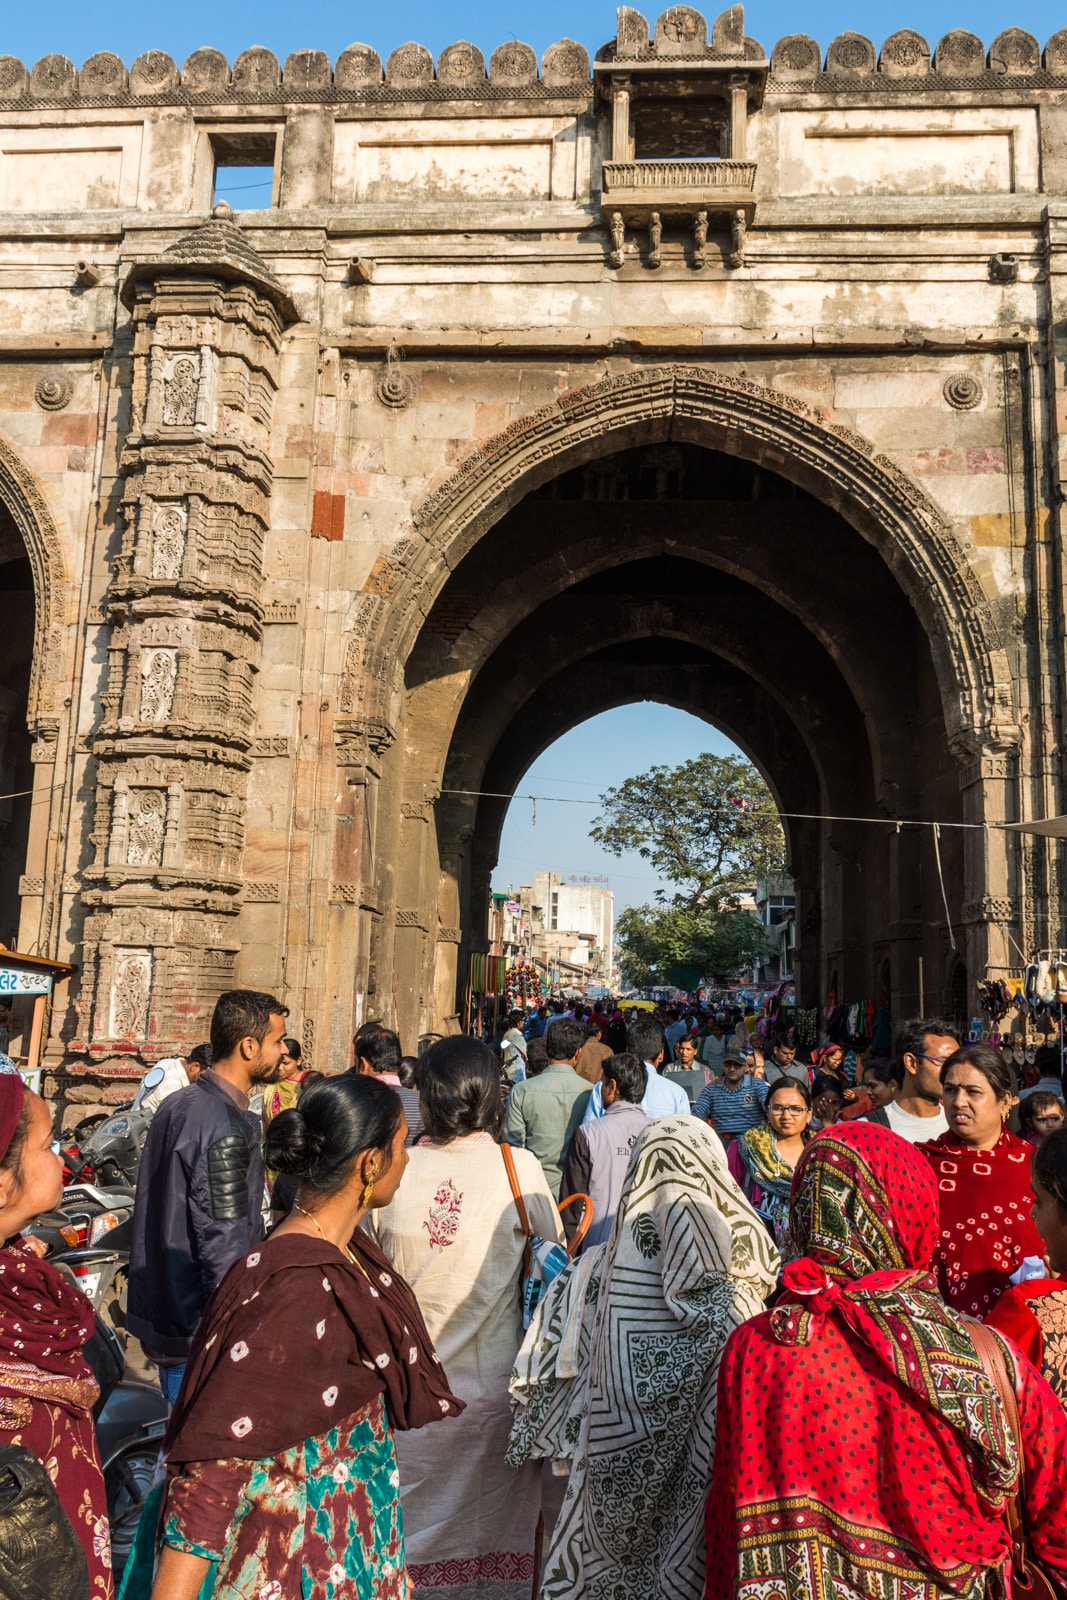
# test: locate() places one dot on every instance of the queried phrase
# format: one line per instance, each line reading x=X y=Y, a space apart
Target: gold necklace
x=318 y=1227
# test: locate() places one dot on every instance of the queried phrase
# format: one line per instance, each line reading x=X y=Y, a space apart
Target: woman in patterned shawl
x=618 y=1370
x=861 y=1449
x=453 y=1230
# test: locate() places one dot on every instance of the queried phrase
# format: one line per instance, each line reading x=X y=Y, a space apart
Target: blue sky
x=595 y=756
x=77 y=30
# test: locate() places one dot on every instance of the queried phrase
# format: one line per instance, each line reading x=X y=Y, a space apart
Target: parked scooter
x=110 y=1154
x=90 y=1235
x=131 y=1419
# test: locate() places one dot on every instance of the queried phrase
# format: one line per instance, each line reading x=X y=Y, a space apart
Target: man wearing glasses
x=915 y=1112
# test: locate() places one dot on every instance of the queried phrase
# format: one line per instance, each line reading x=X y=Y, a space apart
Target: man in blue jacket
x=200 y=1185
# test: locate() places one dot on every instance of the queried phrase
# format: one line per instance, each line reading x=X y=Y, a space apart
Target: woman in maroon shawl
x=46 y=1388
x=282 y=1479
x=861 y=1449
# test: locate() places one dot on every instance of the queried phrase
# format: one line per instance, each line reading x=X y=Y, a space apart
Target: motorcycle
x=109 y=1153
x=131 y=1419
x=90 y=1236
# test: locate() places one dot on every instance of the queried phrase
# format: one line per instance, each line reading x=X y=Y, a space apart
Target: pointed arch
x=722 y=411
x=21 y=495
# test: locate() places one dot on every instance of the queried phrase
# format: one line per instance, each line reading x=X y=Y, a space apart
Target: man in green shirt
x=544 y=1111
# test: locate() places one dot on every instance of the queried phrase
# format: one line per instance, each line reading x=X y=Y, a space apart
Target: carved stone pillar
x=994 y=925
x=185 y=609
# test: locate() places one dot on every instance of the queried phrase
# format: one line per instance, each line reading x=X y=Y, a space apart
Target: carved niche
x=159 y=674
x=131 y=990
x=169 y=525
x=146 y=823
x=181 y=383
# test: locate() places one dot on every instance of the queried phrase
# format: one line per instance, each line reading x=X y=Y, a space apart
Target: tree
x=709 y=826
x=683 y=946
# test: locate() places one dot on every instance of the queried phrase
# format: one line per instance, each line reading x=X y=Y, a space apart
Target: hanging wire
x=941 y=881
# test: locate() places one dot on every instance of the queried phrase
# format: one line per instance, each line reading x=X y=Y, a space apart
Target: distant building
x=776 y=910
x=568 y=929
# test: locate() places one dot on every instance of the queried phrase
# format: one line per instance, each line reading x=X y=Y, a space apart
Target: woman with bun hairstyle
x=453 y=1230
x=281 y=1472
x=47 y=1390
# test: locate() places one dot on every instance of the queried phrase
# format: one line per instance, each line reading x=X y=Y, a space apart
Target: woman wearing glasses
x=762 y=1160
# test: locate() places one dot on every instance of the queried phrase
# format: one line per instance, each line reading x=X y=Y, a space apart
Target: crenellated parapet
x=173 y=745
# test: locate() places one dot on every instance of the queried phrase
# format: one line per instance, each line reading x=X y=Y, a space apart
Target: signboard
x=13 y=981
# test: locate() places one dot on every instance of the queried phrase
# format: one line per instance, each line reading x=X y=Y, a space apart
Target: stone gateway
x=691 y=374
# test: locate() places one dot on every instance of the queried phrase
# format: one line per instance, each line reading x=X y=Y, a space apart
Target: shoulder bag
x=1029 y=1579
x=41 y=1556
x=542 y=1259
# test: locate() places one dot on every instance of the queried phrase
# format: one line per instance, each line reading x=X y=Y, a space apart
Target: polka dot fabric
x=859 y=1452
x=984 y=1200
x=295 y=1338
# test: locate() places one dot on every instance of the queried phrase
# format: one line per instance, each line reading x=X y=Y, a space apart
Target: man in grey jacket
x=200 y=1186
x=600 y=1150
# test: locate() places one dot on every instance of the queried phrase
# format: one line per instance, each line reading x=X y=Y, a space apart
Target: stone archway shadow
x=22 y=497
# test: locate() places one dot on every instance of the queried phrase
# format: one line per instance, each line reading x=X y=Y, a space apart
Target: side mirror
x=152 y=1079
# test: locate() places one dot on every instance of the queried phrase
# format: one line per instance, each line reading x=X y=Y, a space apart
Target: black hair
x=1047 y=1060
x=910 y=1036
x=379 y=1047
x=645 y=1038
x=884 y=1069
x=536 y=1057
x=788 y=1083
x=242 y=1014
x=318 y=1140
x=629 y=1075
x=459 y=1089
x=1038 y=1104
x=513 y=1018
x=989 y=1062
x=783 y=1041
x=564 y=1039
x=1049 y=1167
x=408 y=1072
x=824 y=1081
x=12 y=1161
x=292 y=1049
x=201 y=1054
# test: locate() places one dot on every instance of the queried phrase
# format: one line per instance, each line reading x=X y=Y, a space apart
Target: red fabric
x=829 y=1477
x=295 y=1339
x=47 y=1392
x=1034 y=1314
x=986 y=1227
x=12 y=1096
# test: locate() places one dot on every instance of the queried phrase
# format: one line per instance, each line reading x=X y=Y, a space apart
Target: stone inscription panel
x=844 y=152
x=520 y=159
x=69 y=169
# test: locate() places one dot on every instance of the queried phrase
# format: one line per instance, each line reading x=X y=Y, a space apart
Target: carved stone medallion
x=53 y=390
x=962 y=391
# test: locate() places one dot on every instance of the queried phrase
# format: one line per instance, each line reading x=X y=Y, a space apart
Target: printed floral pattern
x=442 y=1224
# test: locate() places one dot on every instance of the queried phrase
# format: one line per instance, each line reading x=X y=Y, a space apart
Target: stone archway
x=21 y=496
x=418 y=869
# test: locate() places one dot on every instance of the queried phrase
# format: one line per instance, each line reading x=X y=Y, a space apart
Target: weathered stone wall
x=293 y=491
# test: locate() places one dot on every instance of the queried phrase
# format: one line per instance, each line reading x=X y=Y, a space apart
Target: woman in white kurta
x=453 y=1232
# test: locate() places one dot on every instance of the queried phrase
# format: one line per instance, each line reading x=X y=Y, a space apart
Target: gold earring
x=368 y=1188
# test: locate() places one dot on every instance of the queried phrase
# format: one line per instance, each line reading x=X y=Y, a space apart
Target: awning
x=1051 y=828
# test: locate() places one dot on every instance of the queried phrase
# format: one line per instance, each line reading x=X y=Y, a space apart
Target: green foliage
x=710 y=827
x=652 y=942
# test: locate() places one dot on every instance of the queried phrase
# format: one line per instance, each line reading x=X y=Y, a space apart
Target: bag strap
x=991 y=1354
x=516 y=1191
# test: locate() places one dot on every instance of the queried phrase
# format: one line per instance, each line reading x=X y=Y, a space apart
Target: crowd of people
x=751 y=1282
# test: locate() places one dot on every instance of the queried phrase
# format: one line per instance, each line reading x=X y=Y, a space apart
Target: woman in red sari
x=46 y=1388
x=1034 y=1313
x=861 y=1449
x=983 y=1183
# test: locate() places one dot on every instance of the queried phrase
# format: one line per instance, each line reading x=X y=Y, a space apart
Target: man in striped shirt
x=735 y=1104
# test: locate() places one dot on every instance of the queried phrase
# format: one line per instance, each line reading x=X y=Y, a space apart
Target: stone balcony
x=643 y=194
x=676 y=188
